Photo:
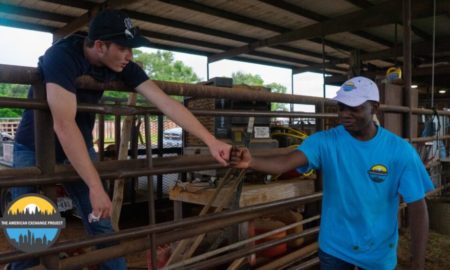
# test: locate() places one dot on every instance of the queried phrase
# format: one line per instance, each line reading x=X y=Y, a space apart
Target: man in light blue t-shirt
x=365 y=168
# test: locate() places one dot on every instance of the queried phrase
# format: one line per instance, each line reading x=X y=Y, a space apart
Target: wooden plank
x=235 y=17
x=74 y=25
x=219 y=209
x=252 y=194
x=374 y=16
x=84 y=19
x=34 y=13
x=119 y=184
x=392 y=94
x=418 y=48
x=183 y=244
x=320 y=18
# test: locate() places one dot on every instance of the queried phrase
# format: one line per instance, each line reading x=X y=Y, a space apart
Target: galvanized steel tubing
x=27 y=75
x=22 y=75
x=166 y=232
x=109 y=169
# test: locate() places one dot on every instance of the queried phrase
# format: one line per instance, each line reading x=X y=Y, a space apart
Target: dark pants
x=329 y=262
x=79 y=192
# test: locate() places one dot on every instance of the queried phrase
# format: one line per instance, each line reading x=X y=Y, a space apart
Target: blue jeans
x=329 y=262
x=79 y=193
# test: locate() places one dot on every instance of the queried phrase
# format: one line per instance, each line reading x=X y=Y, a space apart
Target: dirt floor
x=437 y=257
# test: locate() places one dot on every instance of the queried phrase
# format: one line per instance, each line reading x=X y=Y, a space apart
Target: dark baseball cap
x=115 y=26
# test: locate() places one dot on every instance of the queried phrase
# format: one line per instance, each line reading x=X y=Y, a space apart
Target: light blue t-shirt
x=362 y=181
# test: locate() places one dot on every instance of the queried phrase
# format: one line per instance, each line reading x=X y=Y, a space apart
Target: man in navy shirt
x=105 y=54
x=365 y=168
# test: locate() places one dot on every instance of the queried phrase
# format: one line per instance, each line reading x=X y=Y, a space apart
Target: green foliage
x=162 y=66
x=10 y=113
x=247 y=79
x=116 y=95
x=277 y=88
x=256 y=80
x=12 y=91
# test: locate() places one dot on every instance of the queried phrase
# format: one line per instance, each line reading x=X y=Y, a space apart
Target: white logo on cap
x=128 y=24
x=129 y=27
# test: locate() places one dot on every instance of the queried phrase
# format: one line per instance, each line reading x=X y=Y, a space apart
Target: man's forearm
x=175 y=111
x=183 y=117
x=418 y=221
x=267 y=165
x=278 y=164
x=75 y=150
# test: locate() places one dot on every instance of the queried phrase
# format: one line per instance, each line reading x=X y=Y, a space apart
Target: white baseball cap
x=356 y=91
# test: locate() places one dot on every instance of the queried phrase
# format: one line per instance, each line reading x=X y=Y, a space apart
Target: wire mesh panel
x=166 y=138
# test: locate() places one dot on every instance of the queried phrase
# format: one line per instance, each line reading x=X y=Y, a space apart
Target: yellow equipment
x=393 y=73
x=293 y=133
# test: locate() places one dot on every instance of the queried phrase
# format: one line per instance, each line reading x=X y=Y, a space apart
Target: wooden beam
x=334 y=45
x=419 y=48
x=438 y=70
x=84 y=19
x=227 y=35
x=440 y=82
x=215 y=46
x=360 y=3
x=183 y=25
x=70 y=3
x=328 y=70
x=212 y=11
x=420 y=33
x=297 y=10
x=27 y=26
x=244 y=20
x=161 y=46
x=424 y=47
x=288 y=7
x=368 y=17
x=184 y=40
x=34 y=13
x=374 y=16
x=208 y=31
x=335 y=79
x=418 y=75
x=186 y=26
x=75 y=25
x=417 y=31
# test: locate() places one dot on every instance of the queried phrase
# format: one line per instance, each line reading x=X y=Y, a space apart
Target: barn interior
x=220 y=218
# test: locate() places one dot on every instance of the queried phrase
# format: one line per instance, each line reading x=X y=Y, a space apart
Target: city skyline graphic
x=32 y=223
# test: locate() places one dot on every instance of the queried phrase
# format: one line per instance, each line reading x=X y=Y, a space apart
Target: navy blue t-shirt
x=62 y=64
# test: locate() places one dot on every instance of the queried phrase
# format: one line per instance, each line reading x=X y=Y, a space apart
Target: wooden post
x=159 y=186
x=117 y=131
x=407 y=76
x=151 y=194
x=101 y=137
x=183 y=244
x=122 y=154
x=44 y=139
